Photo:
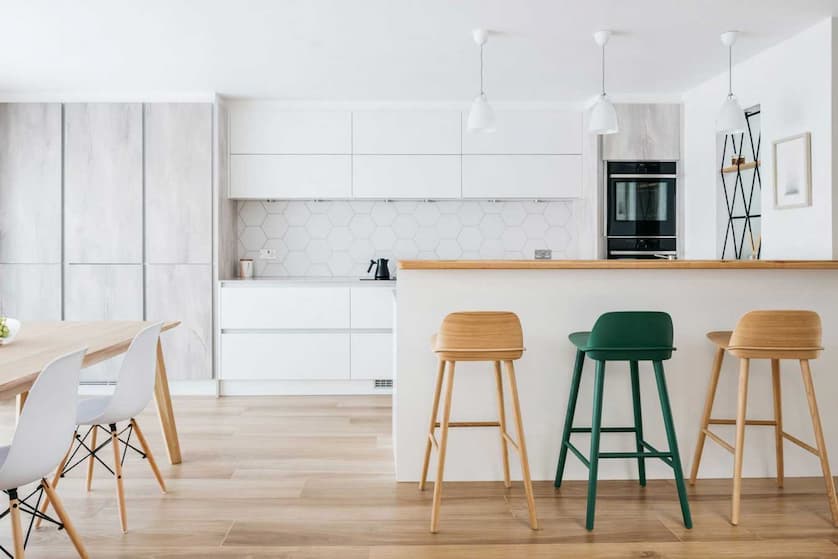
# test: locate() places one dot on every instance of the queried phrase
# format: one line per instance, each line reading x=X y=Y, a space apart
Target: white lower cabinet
x=285 y=356
x=304 y=339
x=372 y=355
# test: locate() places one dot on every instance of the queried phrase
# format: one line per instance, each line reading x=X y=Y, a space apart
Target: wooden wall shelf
x=742 y=167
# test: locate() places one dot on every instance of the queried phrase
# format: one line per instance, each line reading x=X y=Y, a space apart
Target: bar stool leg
x=522 y=445
x=740 y=439
x=432 y=428
x=672 y=441
x=819 y=439
x=708 y=410
x=778 y=418
x=571 y=411
x=593 y=458
x=504 y=448
x=443 y=445
x=638 y=421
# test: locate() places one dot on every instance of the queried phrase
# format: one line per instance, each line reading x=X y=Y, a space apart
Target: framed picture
x=793 y=171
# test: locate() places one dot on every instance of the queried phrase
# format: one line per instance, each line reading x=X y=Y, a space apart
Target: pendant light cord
x=730 y=71
x=481 y=69
x=603 y=69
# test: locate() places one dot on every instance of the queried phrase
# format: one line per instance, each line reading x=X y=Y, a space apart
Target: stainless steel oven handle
x=642 y=176
x=639 y=252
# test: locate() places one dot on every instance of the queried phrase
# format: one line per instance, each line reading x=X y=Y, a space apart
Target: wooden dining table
x=38 y=343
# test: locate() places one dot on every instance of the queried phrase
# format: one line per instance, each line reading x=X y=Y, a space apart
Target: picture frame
x=792 y=166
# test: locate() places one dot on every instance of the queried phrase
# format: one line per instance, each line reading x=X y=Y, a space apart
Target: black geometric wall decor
x=742 y=189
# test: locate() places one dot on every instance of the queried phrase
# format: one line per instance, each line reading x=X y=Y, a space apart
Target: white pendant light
x=481 y=117
x=603 y=118
x=731 y=117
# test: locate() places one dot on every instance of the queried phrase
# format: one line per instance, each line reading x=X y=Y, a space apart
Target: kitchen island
x=555 y=298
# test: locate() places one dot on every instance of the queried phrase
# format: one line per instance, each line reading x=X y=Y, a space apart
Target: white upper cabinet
x=406 y=176
x=103 y=183
x=522 y=176
x=406 y=132
x=289 y=177
x=30 y=183
x=648 y=131
x=262 y=129
x=527 y=132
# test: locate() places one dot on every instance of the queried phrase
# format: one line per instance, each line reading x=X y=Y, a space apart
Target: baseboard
x=177 y=388
x=298 y=387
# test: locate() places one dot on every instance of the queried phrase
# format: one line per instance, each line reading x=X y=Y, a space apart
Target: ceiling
x=372 y=50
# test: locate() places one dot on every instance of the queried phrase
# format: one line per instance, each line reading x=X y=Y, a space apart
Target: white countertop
x=312 y=281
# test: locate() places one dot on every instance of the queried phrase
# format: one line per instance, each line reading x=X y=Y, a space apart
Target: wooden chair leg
x=64 y=518
x=522 y=445
x=443 y=445
x=56 y=478
x=672 y=441
x=91 y=460
x=819 y=439
x=569 y=414
x=17 y=533
x=432 y=427
x=778 y=418
x=638 y=421
x=739 y=451
x=117 y=468
x=593 y=457
x=504 y=448
x=708 y=410
x=149 y=456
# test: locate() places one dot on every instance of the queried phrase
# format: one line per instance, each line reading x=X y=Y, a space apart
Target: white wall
x=793 y=83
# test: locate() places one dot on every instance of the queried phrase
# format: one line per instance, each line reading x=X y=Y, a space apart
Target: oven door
x=641 y=205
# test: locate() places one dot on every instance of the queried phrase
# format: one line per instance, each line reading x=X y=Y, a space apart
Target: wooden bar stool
x=773 y=335
x=623 y=336
x=477 y=336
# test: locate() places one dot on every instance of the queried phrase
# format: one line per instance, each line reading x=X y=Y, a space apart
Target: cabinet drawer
x=372 y=356
x=285 y=356
x=371 y=308
x=288 y=177
x=284 y=307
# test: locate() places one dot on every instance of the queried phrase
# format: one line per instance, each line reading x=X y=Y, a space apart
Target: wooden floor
x=311 y=477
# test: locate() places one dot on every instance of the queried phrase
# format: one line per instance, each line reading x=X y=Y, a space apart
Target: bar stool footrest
x=651 y=452
x=604 y=430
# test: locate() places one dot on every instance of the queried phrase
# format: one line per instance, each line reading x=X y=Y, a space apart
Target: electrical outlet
x=543 y=254
x=267 y=254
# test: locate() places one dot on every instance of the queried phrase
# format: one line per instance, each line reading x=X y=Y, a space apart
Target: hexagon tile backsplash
x=338 y=238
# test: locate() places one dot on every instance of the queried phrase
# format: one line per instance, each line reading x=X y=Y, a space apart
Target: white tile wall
x=338 y=238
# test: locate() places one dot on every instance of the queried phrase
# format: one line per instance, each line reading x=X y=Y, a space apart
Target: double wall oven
x=641 y=209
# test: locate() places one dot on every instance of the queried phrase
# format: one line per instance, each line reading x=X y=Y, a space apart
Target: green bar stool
x=632 y=337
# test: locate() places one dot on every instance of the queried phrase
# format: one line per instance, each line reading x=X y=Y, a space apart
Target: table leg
x=164 y=408
x=20 y=401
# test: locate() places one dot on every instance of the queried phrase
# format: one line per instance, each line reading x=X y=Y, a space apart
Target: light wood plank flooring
x=311 y=477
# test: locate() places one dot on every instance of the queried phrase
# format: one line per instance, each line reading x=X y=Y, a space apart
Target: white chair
x=134 y=390
x=40 y=440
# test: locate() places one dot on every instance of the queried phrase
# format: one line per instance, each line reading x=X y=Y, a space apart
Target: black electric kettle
x=382 y=268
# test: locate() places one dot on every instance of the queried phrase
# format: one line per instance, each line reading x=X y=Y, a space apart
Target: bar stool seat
x=772 y=335
x=491 y=336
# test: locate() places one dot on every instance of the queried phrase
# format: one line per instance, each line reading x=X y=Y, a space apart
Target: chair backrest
x=789 y=334
x=135 y=385
x=45 y=427
x=632 y=335
x=477 y=334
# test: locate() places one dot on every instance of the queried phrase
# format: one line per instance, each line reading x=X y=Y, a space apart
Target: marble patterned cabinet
x=648 y=132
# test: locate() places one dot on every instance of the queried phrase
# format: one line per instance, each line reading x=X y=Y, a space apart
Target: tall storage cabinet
x=30 y=210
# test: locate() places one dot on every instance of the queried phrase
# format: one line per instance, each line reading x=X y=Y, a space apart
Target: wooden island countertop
x=660 y=264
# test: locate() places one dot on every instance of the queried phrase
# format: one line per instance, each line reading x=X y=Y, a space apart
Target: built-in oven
x=641 y=209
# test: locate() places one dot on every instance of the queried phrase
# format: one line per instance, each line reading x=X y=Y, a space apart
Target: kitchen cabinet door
x=393 y=177
x=406 y=132
x=290 y=177
x=528 y=133
x=262 y=129
x=648 y=131
x=541 y=177
x=372 y=307
x=178 y=177
x=372 y=355
x=103 y=183
x=258 y=307
x=285 y=356
x=183 y=292
x=30 y=291
x=30 y=183
x=103 y=292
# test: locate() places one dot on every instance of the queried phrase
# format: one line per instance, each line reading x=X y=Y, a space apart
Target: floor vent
x=384 y=383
